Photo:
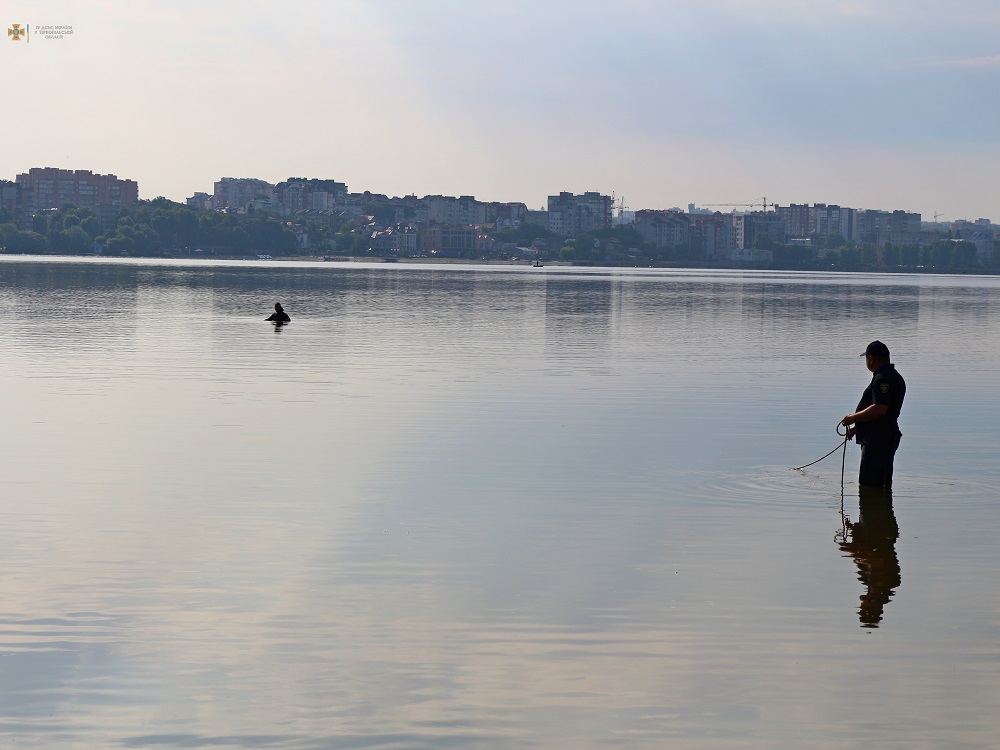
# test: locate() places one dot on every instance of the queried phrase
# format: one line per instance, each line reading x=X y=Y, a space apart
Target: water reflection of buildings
x=823 y=306
x=580 y=318
x=872 y=543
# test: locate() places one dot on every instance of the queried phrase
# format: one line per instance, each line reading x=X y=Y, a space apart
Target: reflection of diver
x=872 y=543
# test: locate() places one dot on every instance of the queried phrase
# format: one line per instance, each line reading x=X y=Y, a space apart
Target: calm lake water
x=491 y=507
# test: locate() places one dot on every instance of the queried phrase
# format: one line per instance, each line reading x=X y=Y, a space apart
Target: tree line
x=161 y=227
x=154 y=227
x=944 y=254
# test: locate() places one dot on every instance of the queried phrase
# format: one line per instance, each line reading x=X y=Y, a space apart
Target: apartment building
x=748 y=227
x=8 y=197
x=880 y=227
x=712 y=236
x=445 y=209
x=803 y=221
x=297 y=194
x=49 y=187
x=800 y=221
x=237 y=192
x=396 y=240
x=451 y=242
x=835 y=220
x=512 y=213
x=570 y=214
x=664 y=229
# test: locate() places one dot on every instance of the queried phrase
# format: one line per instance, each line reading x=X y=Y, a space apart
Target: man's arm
x=868 y=414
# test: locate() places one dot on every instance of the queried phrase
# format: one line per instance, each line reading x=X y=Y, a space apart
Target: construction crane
x=763 y=202
x=936 y=214
x=618 y=204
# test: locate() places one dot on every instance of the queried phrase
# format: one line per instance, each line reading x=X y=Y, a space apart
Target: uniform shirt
x=888 y=388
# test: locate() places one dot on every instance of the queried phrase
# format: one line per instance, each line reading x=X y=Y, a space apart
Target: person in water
x=875 y=421
x=279 y=315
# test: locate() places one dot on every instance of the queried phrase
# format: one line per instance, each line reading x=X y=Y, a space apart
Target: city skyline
x=883 y=106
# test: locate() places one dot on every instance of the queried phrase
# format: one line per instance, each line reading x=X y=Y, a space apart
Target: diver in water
x=279 y=315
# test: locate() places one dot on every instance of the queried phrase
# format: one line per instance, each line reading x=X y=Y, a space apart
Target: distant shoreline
x=372 y=260
x=419 y=261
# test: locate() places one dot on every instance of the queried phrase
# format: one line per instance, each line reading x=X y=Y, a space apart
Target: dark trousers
x=876 y=461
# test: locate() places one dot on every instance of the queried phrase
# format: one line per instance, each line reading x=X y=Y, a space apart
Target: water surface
x=490 y=507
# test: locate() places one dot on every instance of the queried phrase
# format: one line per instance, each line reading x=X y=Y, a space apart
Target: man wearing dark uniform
x=875 y=421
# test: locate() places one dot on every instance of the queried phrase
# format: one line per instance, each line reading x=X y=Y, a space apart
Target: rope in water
x=843 y=444
x=843 y=461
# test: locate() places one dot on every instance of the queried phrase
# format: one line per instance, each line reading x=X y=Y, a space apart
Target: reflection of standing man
x=875 y=421
x=872 y=543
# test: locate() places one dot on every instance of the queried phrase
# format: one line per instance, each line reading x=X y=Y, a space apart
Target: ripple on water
x=773 y=487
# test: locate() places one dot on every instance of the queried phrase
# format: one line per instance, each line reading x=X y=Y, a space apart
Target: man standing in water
x=875 y=422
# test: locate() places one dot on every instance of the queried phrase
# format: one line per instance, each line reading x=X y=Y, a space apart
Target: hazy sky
x=872 y=104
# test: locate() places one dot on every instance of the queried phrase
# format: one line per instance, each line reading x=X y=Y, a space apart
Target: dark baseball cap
x=877 y=349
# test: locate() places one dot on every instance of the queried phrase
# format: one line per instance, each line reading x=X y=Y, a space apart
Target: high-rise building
x=748 y=227
x=665 y=229
x=8 y=198
x=571 y=214
x=712 y=236
x=298 y=194
x=49 y=187
x=800 y=220
x=835 y=220
x=237 y=192
x=880 y=227
x=465 y=209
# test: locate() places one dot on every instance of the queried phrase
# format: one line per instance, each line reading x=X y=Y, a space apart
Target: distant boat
x=264 y=257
